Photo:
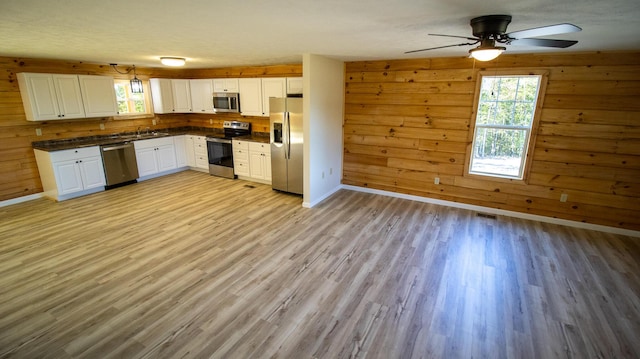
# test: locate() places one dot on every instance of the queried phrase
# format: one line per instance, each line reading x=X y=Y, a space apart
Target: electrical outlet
x=102 y=126
x=211 y=121
x=436 y=180
x=153 y=121
x=38 y=132
x=563 y=197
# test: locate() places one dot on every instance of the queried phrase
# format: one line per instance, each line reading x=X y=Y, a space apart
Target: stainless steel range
x=220 y=151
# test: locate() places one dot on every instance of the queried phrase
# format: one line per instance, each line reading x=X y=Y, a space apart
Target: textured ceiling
x=214 y=33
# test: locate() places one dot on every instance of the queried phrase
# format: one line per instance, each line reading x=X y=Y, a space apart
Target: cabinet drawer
x=241 y=155
x=200 y=149
x=241 y=145
x=259 y=147
x=154 y=142
x=241 y=167
x=202 y=161
x=75 y=153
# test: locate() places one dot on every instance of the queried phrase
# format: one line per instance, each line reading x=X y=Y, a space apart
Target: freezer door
x=278 y=140
x=295 y=150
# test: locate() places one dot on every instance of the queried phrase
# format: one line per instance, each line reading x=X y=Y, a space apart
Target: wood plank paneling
x=16 y=133
x=587 y=143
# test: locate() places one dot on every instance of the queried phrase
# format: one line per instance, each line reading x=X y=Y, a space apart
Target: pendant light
x=135 y=83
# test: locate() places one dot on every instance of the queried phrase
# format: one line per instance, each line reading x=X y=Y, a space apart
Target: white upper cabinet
x=162 y=95
x=181 y=95
x=294 y=85
x=51 y=96
x=272 y=87
x=201 y=96
x=250 y=97
x=98 y=96
x=226 y=85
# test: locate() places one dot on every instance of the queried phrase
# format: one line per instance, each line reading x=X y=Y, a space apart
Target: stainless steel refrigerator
x=286 y=144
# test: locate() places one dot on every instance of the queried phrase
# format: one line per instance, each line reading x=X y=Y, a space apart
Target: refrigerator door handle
x=288 y=151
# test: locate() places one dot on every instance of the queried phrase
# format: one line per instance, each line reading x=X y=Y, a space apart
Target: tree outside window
x=505 y=115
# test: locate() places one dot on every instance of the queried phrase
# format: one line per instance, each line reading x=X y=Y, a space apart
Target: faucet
x=138 y=131
x=147 y=130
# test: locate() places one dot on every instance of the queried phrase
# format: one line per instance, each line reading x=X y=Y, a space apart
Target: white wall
x=323 y=81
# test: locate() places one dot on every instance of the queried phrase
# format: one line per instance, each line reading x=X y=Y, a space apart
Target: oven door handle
x=218 y=140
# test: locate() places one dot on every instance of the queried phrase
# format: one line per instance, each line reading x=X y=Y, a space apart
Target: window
x=505 y=118
x=131 y=103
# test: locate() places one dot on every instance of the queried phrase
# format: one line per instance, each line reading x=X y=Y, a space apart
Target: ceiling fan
x=491 y=29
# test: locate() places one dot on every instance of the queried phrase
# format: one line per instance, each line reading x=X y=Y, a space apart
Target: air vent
x=249 y=186
x=487 y=215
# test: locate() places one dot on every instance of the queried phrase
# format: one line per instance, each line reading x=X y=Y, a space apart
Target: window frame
x=529 y=148
x=147 y=102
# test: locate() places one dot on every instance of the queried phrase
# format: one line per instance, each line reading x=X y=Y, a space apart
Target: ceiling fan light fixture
x=173 y=61
x=482 y=53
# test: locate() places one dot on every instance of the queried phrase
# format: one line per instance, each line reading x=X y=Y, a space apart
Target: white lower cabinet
x=241 y=158
x=180 y=143
x=252 y=160
x=71 y=173
x=200 y=152
x=260 y=161
x=155 y=156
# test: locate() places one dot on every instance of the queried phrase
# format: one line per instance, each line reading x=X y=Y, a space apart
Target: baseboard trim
x=30 y=197
x=502 y=212
x=325 y=196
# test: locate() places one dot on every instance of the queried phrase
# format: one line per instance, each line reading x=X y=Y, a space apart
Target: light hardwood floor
x=196 y=266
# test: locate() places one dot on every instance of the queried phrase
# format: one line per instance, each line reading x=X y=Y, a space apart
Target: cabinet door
x=201 y=96
x=250 y=97
x=256 y=164
x=92 y=172
x=38 y=96
x=272 y=87
x=98 y=95
x=294 y=85
x=189 y=148
x=68 y=177
x=181 y=95
x=162 y=95
x=69 y=96
x=267 y=166
x=225 y=85
x=180 y=144
x=146 y=160
x=166 y=156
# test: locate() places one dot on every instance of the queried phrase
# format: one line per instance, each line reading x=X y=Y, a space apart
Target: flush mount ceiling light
x=172 y=61
x=487 y=50
x=134 y=83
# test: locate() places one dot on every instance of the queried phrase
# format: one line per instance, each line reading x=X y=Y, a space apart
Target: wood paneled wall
x=18 y=170
x=407 y=122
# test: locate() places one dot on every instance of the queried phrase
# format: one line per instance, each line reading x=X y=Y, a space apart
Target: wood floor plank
x=194 y=266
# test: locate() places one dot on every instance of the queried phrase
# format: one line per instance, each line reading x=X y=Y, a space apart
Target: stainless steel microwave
x=226 y=102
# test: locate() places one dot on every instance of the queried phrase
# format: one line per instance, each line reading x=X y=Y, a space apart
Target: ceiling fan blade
x=441 y=47
x=459 y=37
x=544 y=31
x=543 y=42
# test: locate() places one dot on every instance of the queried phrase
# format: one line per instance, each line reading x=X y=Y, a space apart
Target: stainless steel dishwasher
x=120 y=167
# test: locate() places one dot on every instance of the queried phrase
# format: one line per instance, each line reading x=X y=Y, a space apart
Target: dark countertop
x=89 y=141
x=256 y=137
